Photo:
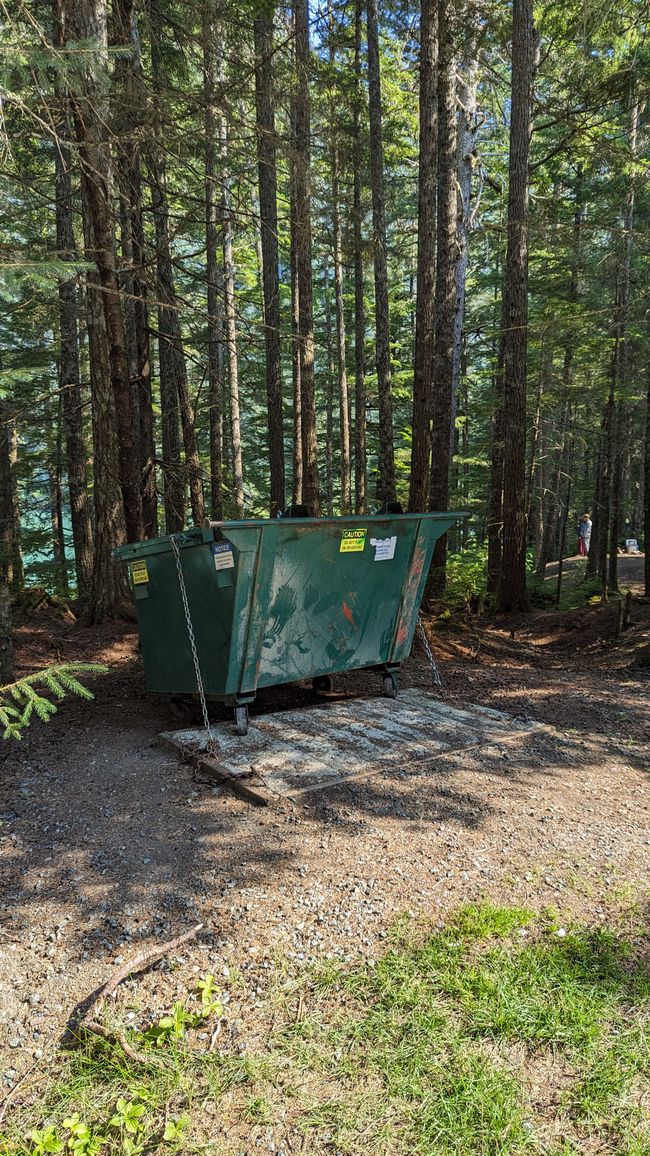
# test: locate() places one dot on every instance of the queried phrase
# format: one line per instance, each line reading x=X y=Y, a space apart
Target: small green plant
x=129 y=1118
x=45 y=1140
x=174 y=1027
x=211 y=1004
x=20 y=701
x=170 y=1028
x=174 y=1129
x=82 y=1140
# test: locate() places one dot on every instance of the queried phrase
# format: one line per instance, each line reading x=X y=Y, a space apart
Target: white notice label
x=384 y=548
x=224 y=559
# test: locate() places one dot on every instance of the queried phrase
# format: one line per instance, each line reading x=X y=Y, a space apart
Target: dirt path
x=630 y=569
x=106 y=843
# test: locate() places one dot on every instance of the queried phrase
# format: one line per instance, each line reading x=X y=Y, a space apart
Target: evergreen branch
x=30 y=695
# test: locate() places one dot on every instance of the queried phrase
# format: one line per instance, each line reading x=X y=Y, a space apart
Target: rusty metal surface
x=291 y=752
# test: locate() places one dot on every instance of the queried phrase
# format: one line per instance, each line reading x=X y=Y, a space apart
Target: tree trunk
x=495 y=495
x=109 y=590
x=69 y=375
x=175 y=400
x=646 y=489
x=231 y=325
x=622 y=357
x=130 y=119
x=329 y=395
x=267 y=170
x=467 y=133
x=512 y=593
x=70 y=380
x=426 y=267
x=86 y=20
x=619 y=432
x=6 y=643
x=297 y=480
x=214 y=269
x=386 y=462
x=56 y=522
x=445 y=295
x=311 y=496
x=11 y=566
x=360 y=460
x=337 y=254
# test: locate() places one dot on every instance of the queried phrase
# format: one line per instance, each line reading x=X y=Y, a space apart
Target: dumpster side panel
x=327 y=599
x=166 y=651
x=428 y=533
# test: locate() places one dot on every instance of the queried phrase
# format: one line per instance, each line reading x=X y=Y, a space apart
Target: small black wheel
x=241 y=720
x=322 y=682
x=181 y=710
x=390 y=686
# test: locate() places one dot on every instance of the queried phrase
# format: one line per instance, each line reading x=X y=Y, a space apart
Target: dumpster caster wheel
x=241 y=720
x=181 y=710
x=321 y=683
x=390 y=686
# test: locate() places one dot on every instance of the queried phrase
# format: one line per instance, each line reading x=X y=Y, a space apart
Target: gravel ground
x=108 y=846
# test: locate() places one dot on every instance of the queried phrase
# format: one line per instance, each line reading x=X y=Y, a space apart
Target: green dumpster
x=279 y=601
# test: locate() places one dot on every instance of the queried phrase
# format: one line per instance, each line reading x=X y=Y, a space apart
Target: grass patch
x=436 y=1049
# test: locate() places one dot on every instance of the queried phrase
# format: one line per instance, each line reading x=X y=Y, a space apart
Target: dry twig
x=80 y=1024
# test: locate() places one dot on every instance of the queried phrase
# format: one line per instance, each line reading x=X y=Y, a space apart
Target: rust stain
x=348 y=613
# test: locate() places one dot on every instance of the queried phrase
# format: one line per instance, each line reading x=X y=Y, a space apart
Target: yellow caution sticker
x=352 y=541
x=139 y=573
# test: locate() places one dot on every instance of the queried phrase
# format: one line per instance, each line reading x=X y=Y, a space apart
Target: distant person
x=584 y=535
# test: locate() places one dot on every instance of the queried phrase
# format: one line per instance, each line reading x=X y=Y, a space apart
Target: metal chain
x=212 y=742
x=430 y=659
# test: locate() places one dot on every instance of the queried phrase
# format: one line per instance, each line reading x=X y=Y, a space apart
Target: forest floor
x=107 y=845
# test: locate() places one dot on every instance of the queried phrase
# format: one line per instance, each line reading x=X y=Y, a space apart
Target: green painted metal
x=278 y=601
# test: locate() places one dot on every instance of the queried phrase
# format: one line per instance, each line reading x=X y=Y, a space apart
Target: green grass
x=436 y=1049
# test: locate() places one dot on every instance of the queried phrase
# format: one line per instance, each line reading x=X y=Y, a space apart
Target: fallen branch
x=80 y=1023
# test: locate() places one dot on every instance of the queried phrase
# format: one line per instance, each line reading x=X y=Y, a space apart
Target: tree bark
x=69 y=375
x=445 y=294
x=621 y=357
x=109 y=590
x=297 y=480
x=311 y=495
x=426 y=264
x=86 y=20
x=11 y=565
x=175 y=400
x=512 y=593
x=337 y=254
x=129 y=127
x=360 y=457
x=386 y=456
x=646 y=489
x=6 y=641
x=214 y=268
x=495 y=495
x=231 y=325
x=329 y=395
x=467 y=202
x=70 y=382
x=267 y=171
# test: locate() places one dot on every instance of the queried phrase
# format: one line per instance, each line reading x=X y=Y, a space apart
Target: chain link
x=430 y=659
x=212 y=742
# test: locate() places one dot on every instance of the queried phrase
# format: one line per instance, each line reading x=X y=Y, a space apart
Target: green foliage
x=433 y=1048
x=27 y=698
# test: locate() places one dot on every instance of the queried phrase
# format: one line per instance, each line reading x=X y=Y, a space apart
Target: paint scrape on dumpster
x=292 y=752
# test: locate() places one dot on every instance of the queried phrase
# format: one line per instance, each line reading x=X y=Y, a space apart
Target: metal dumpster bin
x=279 y=601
